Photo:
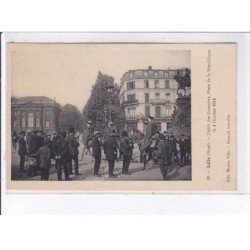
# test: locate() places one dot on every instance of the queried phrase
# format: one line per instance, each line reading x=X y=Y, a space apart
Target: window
x=47 y=124
x=166 y=74
x=146 y=84
x=131 y=112
x=157 y=111
x=146 y=97
x=146 y=73
x=156 y=84
x=157 y=95
x=147 y=111
x=168 y=111
x=130 y=85
x=158 y=124
x=168 y=97
x=47 y=113
x=23 y=120
x=132 y=126
x=156 y=74
x=15 y=123
x=167 y=84
x=131 y=97
x=38 y=122
x=30 y=120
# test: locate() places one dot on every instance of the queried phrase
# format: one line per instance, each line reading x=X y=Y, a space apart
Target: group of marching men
x=161 y=148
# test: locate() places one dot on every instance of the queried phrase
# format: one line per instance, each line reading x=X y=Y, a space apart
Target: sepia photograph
x=110 y=112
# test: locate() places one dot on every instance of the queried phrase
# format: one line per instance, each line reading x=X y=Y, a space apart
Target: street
x=87 y=164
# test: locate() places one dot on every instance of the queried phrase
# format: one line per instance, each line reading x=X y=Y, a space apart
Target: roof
x=32 y=99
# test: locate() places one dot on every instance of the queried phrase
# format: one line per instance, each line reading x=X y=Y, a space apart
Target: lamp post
x=110 y=87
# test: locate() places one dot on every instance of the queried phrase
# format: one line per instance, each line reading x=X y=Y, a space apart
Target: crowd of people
x=163 y=149
x=61 y=147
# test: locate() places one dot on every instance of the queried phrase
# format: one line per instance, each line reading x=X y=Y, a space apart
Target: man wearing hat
x=126 y=148
x=73 y=145
x=61 y=156
x=22 y=150
x=110 y=149
x=97 y=152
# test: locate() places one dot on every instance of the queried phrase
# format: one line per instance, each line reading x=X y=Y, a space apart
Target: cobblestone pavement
x=86 y=170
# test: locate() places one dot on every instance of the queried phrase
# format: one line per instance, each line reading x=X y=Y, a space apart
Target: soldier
x=126 y=149
x=110 y=149
x=61 y=156
x=22 y=150
x=87 y=138
x=150 y=131
x=173 y=148
x=97 y=152
x=162 y=155
x=73 y=145
x=44 y=156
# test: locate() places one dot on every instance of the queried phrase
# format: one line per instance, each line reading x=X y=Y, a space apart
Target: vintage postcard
x=121 y=116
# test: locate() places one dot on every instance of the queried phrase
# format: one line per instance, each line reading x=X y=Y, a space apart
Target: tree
x=70 y=117
x=102 y=103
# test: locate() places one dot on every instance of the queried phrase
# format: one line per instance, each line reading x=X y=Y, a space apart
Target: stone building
x=34 y=113
x=147 y=92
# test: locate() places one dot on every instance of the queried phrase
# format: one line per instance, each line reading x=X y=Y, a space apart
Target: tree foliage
x=70 y=117
x=102 y=103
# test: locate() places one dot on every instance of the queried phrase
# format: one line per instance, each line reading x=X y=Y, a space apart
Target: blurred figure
x=73 y=145
x=97 y=152
x=126 y=148
x=61 y=156
x=22 y=150
x=14 y=139
x=44 y=156
x=182 y=144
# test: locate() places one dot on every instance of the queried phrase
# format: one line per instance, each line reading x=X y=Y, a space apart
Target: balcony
x=130 y=103
x=158 y=102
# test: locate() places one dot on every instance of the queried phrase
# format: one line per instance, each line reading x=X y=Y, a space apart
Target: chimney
x=149 y=67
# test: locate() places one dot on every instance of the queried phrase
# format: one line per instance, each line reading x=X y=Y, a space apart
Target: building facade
x=34 y=113
x=147 y=92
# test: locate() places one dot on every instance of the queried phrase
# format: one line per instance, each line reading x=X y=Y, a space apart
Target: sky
x=67 y=72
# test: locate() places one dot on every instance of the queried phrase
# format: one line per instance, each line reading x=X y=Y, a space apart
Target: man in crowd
x=32 y=143
x=22 y=150
x=97 y=152
x=44 y=156
x=162 y=154
x=126 y=148
x=61 y=156
x=110 y=149
x=73 y=145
